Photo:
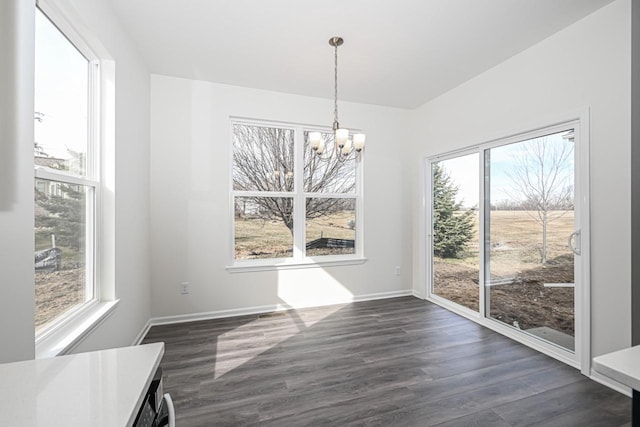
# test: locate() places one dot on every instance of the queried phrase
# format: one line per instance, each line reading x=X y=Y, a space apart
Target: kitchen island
x=624 y=367
x=98 y=389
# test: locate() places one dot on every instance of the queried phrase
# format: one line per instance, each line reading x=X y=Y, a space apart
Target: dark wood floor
x=394 y=362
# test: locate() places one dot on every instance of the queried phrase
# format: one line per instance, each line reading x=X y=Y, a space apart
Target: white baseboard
x=612 y=384
x=417 y=294
x=192 y=317
x=142 y=333
x=380 y=295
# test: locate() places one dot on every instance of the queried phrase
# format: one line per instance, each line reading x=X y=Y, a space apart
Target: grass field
x=258 y=238
x=516 y=240
x=516 y=233
x=57 y=292
x=515 y=258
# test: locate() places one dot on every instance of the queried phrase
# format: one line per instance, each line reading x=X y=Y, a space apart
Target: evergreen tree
x=61 y=208
x=62 y=215
x=452 y=228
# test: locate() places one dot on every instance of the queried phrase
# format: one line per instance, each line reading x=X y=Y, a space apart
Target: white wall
x=16 y=180
x=585 y=65
x=131 y=226
x=635 y=173
x=131 y=179
x=190 y=160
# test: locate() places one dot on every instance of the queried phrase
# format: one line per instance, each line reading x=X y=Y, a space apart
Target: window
x=291 y=206
x=66 y=175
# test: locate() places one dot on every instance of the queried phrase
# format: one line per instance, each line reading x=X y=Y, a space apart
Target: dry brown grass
x=56 y=293
x=517 y=233
x=257 y=238
x=516 y=241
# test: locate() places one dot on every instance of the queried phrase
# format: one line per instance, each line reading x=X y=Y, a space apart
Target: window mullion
x=242 y=193
x=91 y=285
x=299 y=213
x=93 y=125
x=483 y=228
x=52 y=175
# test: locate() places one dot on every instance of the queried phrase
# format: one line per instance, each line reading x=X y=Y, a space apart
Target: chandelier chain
x=335 y=88
x=345 y=147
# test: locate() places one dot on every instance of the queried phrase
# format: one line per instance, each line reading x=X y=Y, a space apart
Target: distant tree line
x=563 y=202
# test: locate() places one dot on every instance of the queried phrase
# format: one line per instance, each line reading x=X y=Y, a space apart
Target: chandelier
x=343 y=144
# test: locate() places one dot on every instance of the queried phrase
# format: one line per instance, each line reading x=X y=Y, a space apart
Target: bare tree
x=542 y=177
x=263 y=161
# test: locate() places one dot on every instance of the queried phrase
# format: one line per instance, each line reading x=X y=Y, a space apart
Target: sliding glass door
x=529 y=218
x=504 y=236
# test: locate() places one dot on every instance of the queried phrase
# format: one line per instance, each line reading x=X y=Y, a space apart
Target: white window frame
x=64 y=333
x=298 y=259
x=579 y=120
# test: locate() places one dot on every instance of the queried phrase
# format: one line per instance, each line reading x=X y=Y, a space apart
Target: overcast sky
x=61 y=81
x=465 y=172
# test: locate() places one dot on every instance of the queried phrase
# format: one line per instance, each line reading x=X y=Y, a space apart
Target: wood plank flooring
x=393 y=362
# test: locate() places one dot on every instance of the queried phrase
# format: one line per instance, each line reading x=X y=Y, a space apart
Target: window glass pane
x=263 y=227
x=455 y=220
x=330 y=226
x=529 y=190
x=262 y=158
x=62 y=224
x=329 y=172
x=61 y=100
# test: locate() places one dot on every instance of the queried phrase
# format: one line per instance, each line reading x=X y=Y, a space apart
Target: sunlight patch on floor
x=246 y=342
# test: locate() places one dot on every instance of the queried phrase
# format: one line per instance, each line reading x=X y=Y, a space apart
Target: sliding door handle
x=572 y=240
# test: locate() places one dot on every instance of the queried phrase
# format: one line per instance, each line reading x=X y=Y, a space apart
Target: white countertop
x=622 y=366
x=101 y=388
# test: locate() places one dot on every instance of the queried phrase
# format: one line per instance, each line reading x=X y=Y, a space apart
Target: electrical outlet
x=184 y=288
x=397 y=270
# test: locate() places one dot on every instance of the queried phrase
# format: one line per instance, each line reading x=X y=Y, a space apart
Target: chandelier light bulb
x=346 y=149
x=358 y=141
x=342 y=135
x=315 y=138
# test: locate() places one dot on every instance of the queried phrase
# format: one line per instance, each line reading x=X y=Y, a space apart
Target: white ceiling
x=398 y=53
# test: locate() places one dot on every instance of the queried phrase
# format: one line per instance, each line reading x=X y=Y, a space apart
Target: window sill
x=63 y=338
x=292 y=265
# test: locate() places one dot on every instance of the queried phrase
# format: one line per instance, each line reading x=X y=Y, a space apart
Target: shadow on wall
x=7 y=171
x=11 y=80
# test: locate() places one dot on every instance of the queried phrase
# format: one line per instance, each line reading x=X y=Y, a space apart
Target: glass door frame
x=581 y=357
x=429 y=270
